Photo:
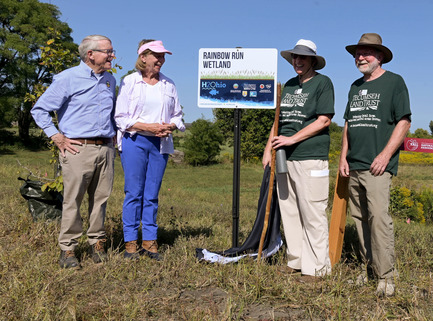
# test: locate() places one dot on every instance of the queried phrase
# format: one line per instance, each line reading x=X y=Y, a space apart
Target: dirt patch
x=213 y=298
x=218 y=303
x=265 y=312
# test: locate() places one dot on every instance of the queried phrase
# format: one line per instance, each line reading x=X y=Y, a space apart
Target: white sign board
x=237 y=78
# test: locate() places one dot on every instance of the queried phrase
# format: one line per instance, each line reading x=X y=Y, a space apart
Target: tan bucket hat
x=371 y=40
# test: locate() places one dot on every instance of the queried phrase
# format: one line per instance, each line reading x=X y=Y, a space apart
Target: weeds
x=195 y=212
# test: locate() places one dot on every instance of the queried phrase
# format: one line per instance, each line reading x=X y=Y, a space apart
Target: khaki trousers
x=92 y=171
x=303 y=198
x=369 y=202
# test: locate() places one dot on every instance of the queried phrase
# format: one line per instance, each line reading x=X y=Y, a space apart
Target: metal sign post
x=236 y=176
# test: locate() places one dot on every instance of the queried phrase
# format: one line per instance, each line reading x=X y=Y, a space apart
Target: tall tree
x=255 y=128
x=420 y=133
x=24 y=29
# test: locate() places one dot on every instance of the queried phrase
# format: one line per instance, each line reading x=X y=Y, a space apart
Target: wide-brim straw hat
x=304 y=48
x=371 y=40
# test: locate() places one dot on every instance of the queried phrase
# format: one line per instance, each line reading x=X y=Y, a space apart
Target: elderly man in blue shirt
x=83 y=97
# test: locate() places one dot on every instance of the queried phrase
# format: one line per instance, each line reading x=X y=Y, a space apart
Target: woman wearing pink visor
x=147 y=112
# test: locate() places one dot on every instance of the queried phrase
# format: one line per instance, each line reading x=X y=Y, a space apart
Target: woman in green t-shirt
x=307 y=107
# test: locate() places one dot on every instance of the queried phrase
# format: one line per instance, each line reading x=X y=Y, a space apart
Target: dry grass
x=195 y=212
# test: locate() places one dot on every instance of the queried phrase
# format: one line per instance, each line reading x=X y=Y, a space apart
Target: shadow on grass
x=114 y=230
x=169 y=236
x=351 y=245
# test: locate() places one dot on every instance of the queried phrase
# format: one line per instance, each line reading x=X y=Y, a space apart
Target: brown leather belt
x=94 y=140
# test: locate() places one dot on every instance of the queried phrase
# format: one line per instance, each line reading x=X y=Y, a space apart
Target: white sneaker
x=386 y=287
x=361 y=280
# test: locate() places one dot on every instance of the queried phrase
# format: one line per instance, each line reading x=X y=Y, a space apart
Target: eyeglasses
x=294 y=56
x=364 y=54
x=107 y=51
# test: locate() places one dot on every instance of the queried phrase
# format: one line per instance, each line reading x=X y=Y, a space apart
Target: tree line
x=25 y=27
x=35 y=44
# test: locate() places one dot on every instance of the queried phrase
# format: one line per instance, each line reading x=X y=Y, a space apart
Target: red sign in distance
x=417 y=145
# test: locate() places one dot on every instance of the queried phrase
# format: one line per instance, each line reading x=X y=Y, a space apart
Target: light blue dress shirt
x=84 y=102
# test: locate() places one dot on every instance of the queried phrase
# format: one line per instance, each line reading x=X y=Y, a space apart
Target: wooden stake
x=338 y=218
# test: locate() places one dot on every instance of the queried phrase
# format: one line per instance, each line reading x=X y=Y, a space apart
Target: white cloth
x=128 y=109
x=213 y=257
x=151 y=106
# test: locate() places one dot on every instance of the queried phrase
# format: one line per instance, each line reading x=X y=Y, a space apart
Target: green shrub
x=256 y=125
x=202 y=143
x=335 y=133
x=426 y=198
x=407 y=204
x=176 y=141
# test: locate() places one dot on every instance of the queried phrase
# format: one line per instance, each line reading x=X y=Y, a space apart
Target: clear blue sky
x=406 y=28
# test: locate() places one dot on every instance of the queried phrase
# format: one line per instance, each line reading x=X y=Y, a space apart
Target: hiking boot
x=150 y=249
x=131 y=250
x=68 y=260
x=97 y=251
x=386 y=287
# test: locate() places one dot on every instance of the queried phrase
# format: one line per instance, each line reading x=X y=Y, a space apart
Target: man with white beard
x=377 y=120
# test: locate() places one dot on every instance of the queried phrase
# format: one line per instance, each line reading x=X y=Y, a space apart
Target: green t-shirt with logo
x=373 y=110
x=301 y=104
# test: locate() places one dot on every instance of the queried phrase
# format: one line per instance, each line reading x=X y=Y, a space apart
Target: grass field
x=195 y=211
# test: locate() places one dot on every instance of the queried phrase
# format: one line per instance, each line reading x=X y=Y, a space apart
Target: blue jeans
x=144 y=167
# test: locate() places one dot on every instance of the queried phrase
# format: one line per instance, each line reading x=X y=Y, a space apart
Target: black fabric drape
x=250 y=247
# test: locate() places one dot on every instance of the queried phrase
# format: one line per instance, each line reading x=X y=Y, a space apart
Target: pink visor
x=155 y=46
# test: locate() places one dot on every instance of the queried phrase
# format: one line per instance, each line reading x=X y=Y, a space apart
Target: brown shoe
x=97 y=251
x=68 y=260
x=150 y=248
x=131 y=250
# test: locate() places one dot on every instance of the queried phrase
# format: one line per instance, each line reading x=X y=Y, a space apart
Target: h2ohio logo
x=209 y=85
